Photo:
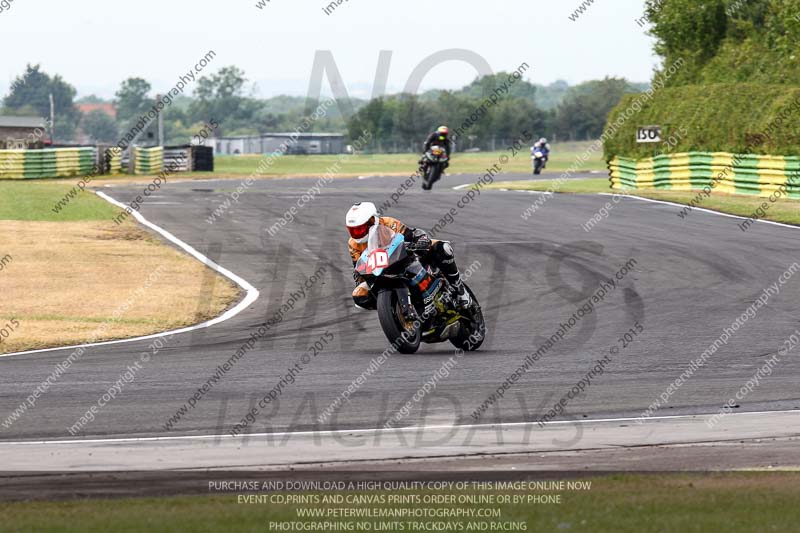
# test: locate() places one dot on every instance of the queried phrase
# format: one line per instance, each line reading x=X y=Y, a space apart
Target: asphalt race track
x=692 y=277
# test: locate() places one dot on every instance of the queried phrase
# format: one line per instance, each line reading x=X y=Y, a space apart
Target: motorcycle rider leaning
x=362 y=216
x=440 y=137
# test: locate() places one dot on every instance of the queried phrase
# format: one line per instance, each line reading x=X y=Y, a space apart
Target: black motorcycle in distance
x=434 y=163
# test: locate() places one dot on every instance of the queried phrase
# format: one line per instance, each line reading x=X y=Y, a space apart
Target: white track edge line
x=704 y=210
x=252 y=292
x=379 y=430
x=545 y=193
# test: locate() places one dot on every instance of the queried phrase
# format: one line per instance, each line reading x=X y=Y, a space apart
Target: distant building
x=107 y=108
x=19 y=133
x=305 y=143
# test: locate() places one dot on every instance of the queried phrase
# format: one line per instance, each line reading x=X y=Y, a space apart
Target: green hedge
x=737 y=118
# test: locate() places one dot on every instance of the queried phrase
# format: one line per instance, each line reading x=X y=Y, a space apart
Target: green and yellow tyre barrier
x=759 y=175
x=149 y=160
x=49 y=163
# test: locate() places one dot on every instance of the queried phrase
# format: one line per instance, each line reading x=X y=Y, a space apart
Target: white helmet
x=543 y=140
x=360 y=218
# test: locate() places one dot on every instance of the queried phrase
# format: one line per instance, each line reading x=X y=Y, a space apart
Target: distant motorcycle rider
x=440 y=137
x=363 y=216
x=540 y=155
x=542 y=146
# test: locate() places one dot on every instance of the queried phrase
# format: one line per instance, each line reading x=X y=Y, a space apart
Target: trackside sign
x=648 y=134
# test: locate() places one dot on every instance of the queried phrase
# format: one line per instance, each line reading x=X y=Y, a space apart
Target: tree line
x=398 y=122
x=728 y=41
x=401 y=122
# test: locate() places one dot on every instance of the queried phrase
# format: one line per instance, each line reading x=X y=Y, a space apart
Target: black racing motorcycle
x=416 y=304
x=434 y=162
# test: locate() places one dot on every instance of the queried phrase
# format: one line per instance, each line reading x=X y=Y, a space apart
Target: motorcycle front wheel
x=432 y=175
x=401 y=334
x=537 y=169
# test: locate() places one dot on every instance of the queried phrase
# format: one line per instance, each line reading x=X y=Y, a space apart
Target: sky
x=96 y=44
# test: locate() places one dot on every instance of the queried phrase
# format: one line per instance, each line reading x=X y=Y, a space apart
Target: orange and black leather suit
x=440 y=255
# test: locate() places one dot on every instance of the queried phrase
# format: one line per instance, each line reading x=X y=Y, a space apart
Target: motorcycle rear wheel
x=394 y=325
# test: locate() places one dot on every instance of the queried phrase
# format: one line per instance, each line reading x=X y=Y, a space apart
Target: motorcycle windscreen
x=384 y=247
x=380 y=236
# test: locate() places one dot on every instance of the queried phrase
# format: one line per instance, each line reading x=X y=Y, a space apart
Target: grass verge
x=784 y=210
x=562 y=157
x=731 y=502
x=77 y=277
x=589 y=186
x=242 y=166
x=34 y=200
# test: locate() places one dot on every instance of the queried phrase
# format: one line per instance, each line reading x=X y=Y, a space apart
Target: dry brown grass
x=77 y=282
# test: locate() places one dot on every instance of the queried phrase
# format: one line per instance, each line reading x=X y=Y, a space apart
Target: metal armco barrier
x=759 y=175
x=178 y=159
x=189 y=158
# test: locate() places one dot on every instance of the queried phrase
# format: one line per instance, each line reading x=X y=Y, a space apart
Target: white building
x=304 y=143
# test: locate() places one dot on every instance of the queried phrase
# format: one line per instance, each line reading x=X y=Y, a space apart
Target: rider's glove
x=357 y=278
x=420 y=241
